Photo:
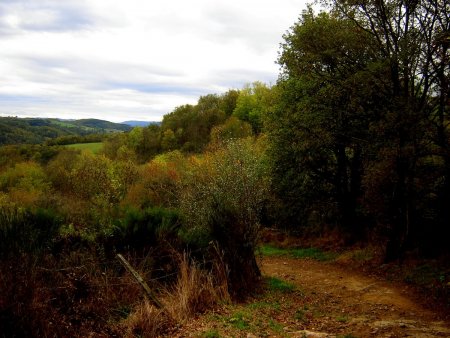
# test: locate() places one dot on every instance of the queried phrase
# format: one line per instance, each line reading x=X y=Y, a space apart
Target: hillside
x=106 y=126
x=14 y=130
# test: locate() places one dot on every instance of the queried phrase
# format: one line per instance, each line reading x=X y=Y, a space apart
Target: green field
x=94 y=147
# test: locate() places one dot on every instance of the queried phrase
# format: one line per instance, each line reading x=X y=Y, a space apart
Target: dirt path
x=369 y=307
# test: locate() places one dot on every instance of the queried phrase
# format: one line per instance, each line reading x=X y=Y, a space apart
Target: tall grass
x=195 y=291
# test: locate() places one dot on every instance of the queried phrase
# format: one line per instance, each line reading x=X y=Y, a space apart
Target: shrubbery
x=221 y=197
x=26 y=231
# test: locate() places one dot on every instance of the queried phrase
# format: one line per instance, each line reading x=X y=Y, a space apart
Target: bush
x=26 y=183
x=23 y=230
x=143 y=228
x=157 y=182
x=221 y=197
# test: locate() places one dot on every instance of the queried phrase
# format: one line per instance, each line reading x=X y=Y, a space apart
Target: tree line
x=360 y=136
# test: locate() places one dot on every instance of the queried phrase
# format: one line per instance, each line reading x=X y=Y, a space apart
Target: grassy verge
x=264 y=316
x=282 y=309
x=314 y=253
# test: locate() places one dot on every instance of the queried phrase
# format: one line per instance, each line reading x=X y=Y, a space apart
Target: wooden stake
x=140 y=280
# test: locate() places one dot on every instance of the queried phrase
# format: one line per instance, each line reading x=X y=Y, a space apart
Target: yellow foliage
x=26 y=183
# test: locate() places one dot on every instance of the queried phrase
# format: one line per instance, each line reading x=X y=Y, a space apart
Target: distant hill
x=14 y=130
x=102 y=125
x=140 y=123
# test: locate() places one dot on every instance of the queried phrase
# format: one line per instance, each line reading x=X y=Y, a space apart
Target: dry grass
x=195 y=291
x=146 y=321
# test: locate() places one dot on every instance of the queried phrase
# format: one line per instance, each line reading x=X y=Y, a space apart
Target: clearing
x=308 y=298
x=94 y=147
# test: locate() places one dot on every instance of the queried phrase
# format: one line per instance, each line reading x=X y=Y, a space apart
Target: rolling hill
x=14 y=130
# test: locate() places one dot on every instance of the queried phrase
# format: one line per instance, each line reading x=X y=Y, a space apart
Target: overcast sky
x=133 y=59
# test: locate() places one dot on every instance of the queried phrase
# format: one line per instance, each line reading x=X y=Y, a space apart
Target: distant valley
x=14 y=130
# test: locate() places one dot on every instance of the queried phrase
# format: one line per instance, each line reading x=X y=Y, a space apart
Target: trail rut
x=369 y=307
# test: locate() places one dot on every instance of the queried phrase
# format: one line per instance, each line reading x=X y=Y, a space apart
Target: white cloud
x=135 y=59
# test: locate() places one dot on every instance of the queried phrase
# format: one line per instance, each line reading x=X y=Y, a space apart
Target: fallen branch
x=140 y=280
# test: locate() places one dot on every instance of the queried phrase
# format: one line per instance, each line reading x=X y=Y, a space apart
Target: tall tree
x=253 y=103
x=330 y=81
x=412 y=37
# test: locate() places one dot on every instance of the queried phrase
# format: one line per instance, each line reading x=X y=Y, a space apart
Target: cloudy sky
x=133 y=59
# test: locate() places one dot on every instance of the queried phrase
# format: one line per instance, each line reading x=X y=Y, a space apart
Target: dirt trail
x=369 y=307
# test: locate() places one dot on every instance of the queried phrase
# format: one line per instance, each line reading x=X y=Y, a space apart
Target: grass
x=275 y=326
x=239 y=321
x=300 y=314
x=276 y=284
x=211 y=334
x=275 y=306
x=342 y=319
x=314 y=253
x=93 y=147
x=248 y=319
x=194 y=292
x=262 y=317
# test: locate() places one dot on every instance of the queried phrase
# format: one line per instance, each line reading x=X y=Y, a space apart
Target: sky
x=134 y=59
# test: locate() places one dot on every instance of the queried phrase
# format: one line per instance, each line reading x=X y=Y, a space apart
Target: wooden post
x=140 y=280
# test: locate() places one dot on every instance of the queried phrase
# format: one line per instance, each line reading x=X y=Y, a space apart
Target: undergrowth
x=195 y=291
x=314 y=253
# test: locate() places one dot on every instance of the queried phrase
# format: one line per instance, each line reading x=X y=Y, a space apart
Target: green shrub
x=140 y=228
x=23 y=230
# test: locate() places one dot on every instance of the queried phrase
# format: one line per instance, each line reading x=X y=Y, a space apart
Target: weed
x=265 y=305
x=276 y=284
x=342 y=319
x=213 y=333
x=300 y=314
x=239 y=320
x=275 y=326
x=317 y=313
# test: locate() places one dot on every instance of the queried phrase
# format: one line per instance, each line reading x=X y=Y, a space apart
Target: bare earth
x=329 y=301
x=373 y=308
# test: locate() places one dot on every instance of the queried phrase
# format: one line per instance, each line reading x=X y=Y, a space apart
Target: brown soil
x=329 y=301
x=373 y=307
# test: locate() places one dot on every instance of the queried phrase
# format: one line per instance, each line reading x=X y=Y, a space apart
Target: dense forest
x=353 y=137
